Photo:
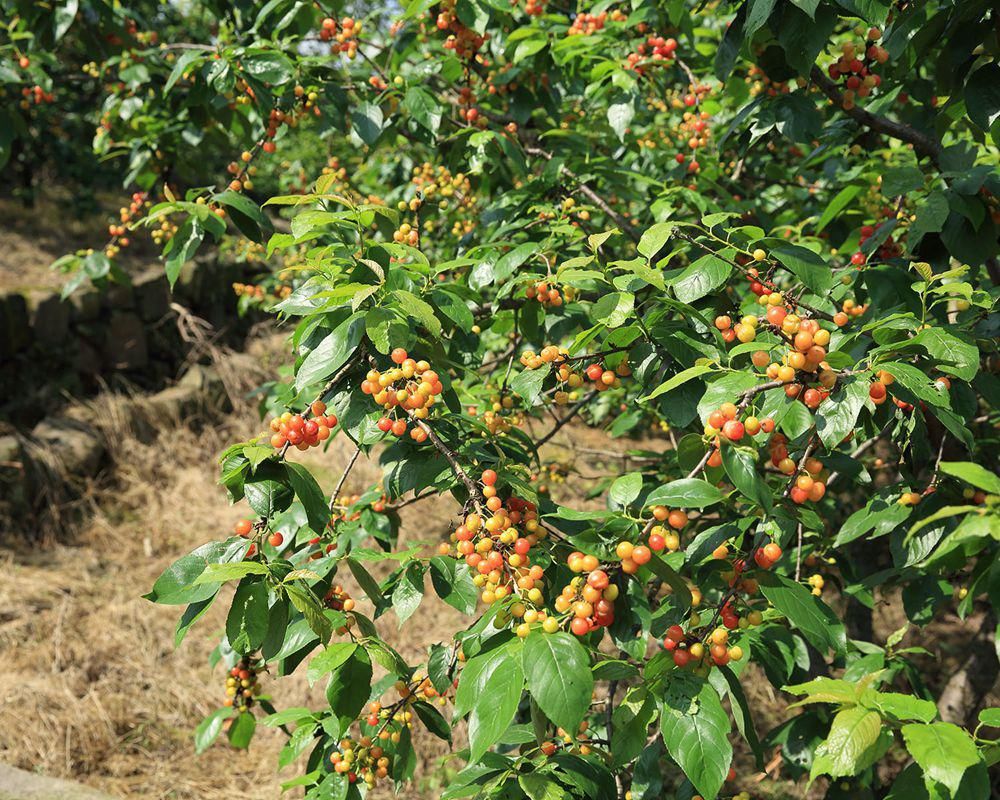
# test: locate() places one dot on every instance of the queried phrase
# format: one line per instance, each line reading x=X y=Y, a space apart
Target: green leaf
x=540 y=787
x=246 y=215
x=620 y=117
x=695 y=729
x=982 y=96
x=759 y=11
x=807 y=266
x=310 y=495
x=880 y=515
x=420 y=310
x=954 y=355
x=625 y=489
x=973 y=474
x=741 y=714
x=679 y=379
x=825 y=690
x=220 y=573
x=614 y=308
x=528 y=384
x=184 y=245
x=309 y=606
x=741 y=467
x=331 y=353
x=559 y=678
x=685 y=493
x=903 y=706
x=630 y=721
x=247 y=622
x=182 y=65
x=804 y=611
x=349 y=686
x=652 y=241
x=853 y=744
x=701 y=277
x=409 y=591
x=489 y=689
x=844 y=197
x=241 y=732
x=901 y=180
x=269 y=66
x=452 y=580
x=368 y=122
x=421 y=105
x=208 y=729
x=329 y=660
x=838 y=414
x=177 y=585
x=943 y=751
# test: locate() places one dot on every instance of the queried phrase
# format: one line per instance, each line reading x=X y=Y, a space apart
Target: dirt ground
x=91 y=687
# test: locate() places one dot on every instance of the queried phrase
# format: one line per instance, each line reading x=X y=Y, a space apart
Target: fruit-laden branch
x=475 y=494
x=590 y=194
x=343 y=478
x=922 y=143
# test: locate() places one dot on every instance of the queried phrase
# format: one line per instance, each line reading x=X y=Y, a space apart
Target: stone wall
x=51 y=348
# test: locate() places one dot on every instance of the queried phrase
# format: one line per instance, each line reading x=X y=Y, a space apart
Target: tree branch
x=924 y=145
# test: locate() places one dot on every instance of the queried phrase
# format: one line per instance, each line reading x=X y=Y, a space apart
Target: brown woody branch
x=924 y=145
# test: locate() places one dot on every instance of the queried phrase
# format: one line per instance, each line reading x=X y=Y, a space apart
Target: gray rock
x=15 y=333
x=86 y=305
x=77 y=447
x=17 y=784
x=125 y=342
x=120 y=296
x=152 y=295
x=50 y=320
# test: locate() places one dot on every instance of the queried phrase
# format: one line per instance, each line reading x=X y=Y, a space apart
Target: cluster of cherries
x=694 y=131
x=745 y=330
x=878 y=392
x=577 y=744
x=854 y=67
x=664 y=537
x=548 y=295
x=655 y=48
x=723 y=421
x=302 y=432
x=411 y=386
x=589 y=24
x=406 y=234
x=501 y=416
x=588 y=602
x=687 y=650
x=361 y=758
x=890 y=248
x=497 y=547
x=849 y=308
x=464 y=41
x=126 y=214
x=245 y=527
x=35 y=94
x=344 y=35
x=242 y=686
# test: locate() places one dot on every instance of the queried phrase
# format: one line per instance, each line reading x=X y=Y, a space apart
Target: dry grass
x=91 y=687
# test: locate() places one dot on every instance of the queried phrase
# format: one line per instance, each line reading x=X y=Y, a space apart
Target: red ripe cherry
x=812 y=398
x=522 y=546
x=858 y=259
x=310 y=429
x=772 y=551
x=656 y=542
x=399 y=427
x=669 y=644
x=580 y=626
x=275 y=539
x=595 y=371
x=733 y=430
x=776 y=315
x=716 y=420
x=877 y=390
x=798 y=495
x=598 y=579
x=675 y=632
x=384 y=424
x=641 y=555
x=318 y=408
x=398 y=355
x=489 y=477
x=243 y=527
x=682 y=658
